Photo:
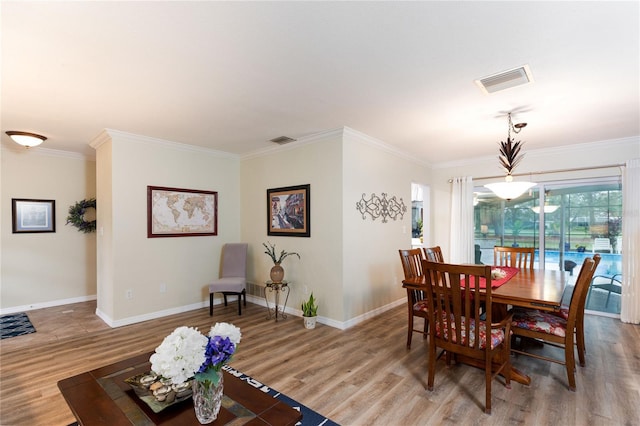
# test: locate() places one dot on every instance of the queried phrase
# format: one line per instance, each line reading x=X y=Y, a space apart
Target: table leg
x=266 y=299
x=284 y=289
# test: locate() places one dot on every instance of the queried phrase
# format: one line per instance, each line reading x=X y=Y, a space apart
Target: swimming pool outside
x=610 y=263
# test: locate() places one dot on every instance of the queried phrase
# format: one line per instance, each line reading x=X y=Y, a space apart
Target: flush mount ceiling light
x=26 y=139
x=509 y=158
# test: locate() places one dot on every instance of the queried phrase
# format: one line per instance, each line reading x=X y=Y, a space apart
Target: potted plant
x=277 y=272
x=310 y=312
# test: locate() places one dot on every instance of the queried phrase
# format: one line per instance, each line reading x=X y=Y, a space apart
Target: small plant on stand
x=310 y=312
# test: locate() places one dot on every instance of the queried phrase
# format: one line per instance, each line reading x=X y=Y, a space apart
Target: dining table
x=528 y=288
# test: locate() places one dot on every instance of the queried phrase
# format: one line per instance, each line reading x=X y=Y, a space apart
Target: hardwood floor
x=360 y=376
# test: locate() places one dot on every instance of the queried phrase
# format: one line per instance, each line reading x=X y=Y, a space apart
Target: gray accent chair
x=233 y=275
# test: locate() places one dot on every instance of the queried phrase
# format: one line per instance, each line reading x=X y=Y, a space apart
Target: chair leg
x=432 y=365
x=570 y=364
x=239 y=303
x=487 y=376
x=607 y=302
x=410 y=331
x=580 y=344
x=426 y=329
x=244 y=296
x=225 y=298
x=210 y=304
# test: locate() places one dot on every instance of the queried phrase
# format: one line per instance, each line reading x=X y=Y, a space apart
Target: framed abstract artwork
x=30 y=216
x=288 y=211
x=175 y=212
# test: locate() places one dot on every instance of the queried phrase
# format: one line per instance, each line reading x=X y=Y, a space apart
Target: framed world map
x=175 y=212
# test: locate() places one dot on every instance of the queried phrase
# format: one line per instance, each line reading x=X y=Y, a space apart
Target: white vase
x=309 y=322
x=207 y=399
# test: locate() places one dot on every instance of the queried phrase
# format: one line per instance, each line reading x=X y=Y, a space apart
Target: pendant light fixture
x=26 y=139
x=509 y=158
x=547 y=208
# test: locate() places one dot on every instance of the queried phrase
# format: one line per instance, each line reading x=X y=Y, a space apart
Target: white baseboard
x=32 y=306
x=152 y=315
x=371 y=314
x=341 y=325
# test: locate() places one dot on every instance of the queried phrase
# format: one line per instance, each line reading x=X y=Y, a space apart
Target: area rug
x=309 y=417
x=13 y=325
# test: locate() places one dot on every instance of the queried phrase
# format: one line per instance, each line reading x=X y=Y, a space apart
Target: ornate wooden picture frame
x=176 y=212
x=288 y=211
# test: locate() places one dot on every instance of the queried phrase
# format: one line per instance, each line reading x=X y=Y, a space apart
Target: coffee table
x=101 y=397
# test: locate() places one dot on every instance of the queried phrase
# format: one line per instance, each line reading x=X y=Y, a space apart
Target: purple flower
x=217 y=352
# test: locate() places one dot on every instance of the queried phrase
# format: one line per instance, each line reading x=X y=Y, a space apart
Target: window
x=577 y=219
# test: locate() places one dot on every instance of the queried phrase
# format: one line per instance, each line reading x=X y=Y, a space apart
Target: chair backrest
x=433 y=254
x=411 y=263
x=579 y=296
x=449 y=292
x=234 y=260
x=515 y=257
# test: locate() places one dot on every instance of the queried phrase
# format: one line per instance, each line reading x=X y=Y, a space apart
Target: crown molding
x=346 y=133
x=370 y=140
x=302 y=141
x=554 y=151
x=117 y=135
x=48 y=152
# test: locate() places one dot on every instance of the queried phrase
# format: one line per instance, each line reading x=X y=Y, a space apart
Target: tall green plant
x=310 y=308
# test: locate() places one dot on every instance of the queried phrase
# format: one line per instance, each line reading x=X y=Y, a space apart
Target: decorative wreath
x=76 y=216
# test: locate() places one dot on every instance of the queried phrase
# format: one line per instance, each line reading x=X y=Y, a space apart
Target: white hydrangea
x=224 y=329
x=180 y=354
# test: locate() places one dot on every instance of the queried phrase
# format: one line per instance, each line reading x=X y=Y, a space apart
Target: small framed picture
x=29 y=216
x=288 y=211
x=176 y=212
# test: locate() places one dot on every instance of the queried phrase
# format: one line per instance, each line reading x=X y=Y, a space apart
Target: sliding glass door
x=565 y=222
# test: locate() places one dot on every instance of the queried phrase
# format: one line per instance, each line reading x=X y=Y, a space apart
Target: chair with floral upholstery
x=456 y=325
x=561 y=329
x=416 y=302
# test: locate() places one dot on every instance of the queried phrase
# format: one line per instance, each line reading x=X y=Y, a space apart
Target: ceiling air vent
x=505 y=79
x=281 y=140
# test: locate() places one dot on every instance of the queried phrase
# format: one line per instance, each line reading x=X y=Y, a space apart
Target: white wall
x=315 y=161
x=46 y=269
x=535 y=162
x=127 y=164
x=372 y=272
x=349 y=263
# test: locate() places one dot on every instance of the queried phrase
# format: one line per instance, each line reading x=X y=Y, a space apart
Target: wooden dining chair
x=416 y=302
x=561 y=329
x=456 y=325
x=515 y=257
x=434 y=254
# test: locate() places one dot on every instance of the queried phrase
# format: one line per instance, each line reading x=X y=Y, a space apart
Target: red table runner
x=497 y=282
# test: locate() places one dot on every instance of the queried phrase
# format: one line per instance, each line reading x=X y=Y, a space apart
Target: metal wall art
x=381 y=207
